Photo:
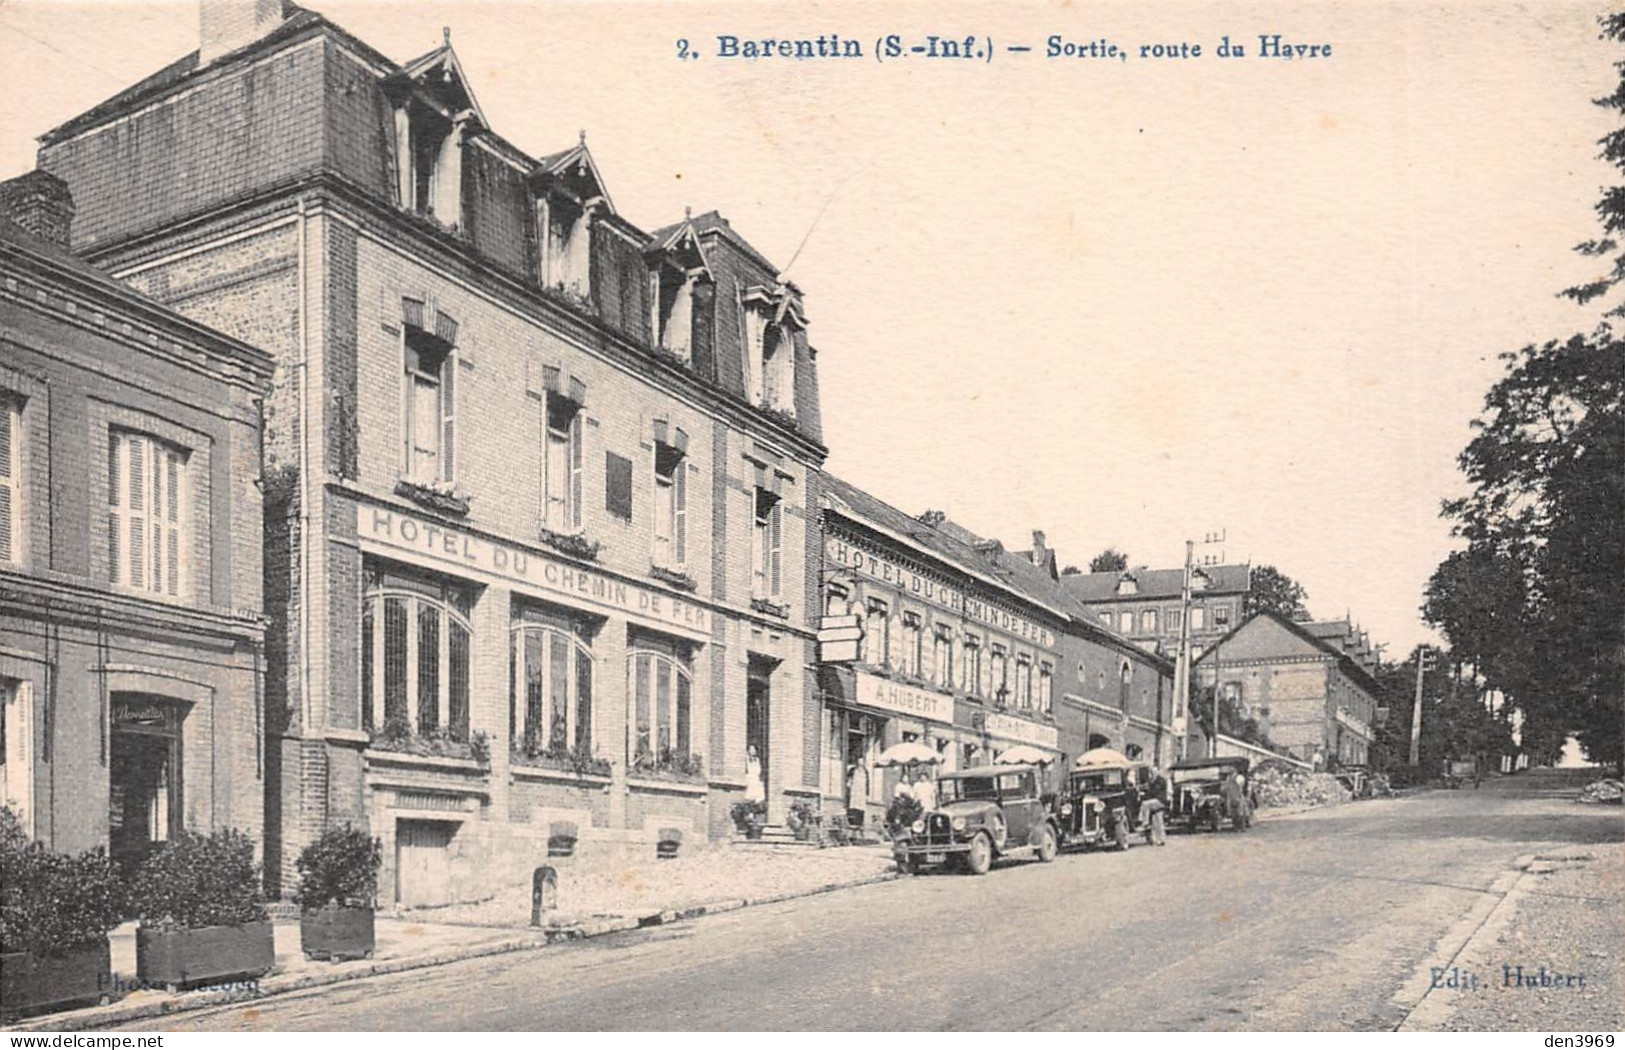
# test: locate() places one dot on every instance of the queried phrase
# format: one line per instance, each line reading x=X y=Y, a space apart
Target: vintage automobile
x=981 y=814
x=1198 y=788
x=1101 y=802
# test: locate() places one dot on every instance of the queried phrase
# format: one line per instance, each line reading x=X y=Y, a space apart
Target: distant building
x=1311 y=690
x=131 y=640
x=1144 y=605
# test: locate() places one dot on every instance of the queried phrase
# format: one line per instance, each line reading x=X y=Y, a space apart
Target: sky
x=1129 y=303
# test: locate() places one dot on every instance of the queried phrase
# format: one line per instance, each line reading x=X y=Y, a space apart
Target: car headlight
x=959 y=823
x=917 y=827
x=1066 y=809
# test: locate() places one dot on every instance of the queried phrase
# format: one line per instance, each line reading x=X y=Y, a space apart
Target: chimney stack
x=225 y=26
x=40 y=203
x=1038 y=547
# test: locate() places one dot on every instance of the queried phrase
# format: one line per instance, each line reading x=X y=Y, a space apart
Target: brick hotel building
x=537 y=480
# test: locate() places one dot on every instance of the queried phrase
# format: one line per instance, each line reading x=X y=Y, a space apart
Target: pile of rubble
x=1279 y=787
x=1605 y=790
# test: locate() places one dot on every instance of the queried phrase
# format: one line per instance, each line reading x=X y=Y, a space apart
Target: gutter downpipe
x=304 y=468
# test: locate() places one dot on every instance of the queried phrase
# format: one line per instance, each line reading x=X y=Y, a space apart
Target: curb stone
x=123 y=1013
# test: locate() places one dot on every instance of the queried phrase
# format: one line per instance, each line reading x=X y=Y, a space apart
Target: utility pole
x=1424 y=664
x=1182 y=658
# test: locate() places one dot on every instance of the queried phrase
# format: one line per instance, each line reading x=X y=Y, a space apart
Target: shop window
x=1148 y=621
x=429 y=407
x=767 y=539
x=876 y=634
x=146 y=511
x=999 y=670
x=671 y=506
x=17 y=751
x=913 y=644
x=1024 y=682
x=660 y=689
x=13 y=512
x=550 y=689
x=942 y=656
x=566 y=239
x=414 y=655
x=971 y=680
x=1046 y=687
x=561 y=484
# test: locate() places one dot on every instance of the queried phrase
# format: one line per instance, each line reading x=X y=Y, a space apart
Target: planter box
x=186 y=958
x=336 y=933
x=36 y=983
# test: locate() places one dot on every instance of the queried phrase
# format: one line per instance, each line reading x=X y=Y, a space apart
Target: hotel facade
x=536 y=479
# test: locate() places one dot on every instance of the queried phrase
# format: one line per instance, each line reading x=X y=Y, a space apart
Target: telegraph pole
x=1182 y=658
x=1424 y=661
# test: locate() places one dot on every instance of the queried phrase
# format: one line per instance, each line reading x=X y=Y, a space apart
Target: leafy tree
x=1611 y=207
x=1271 y=590
x=1109 y=560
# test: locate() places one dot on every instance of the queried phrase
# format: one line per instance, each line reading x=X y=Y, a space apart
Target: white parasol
x=1026 y=755
x=911 y=753
x=1102 y=758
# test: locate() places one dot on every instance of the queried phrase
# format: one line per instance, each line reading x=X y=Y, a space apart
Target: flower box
x=435 y=499
x=336 y=933
x=185 y=958
x=571 y=544
x=673 y=577
x=32 y=983
x=770 y=608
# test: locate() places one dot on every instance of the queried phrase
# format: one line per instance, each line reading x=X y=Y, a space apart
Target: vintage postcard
x=840 y=517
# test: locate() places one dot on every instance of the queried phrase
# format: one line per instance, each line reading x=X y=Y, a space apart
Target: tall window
x=1125 y=623
x=942 y=656
x=146 y=505
x=767 y=541
x=1148 y=621
x=913 y=644
x=1198 y=617
x=1221 y=616
x=430 y=408
x=999 y=670
x=562 y=485
x=971 y=681
x=550 y=689
x=17 y=751
x=876 y=634
x=1173 y=618
x=671 y=506
x=1105 y=619
x=661 y=688
x=414 y=654
x=1046 y=687
x=11 y=484
x=1024 y=682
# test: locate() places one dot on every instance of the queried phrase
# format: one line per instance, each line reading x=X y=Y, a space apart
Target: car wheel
x=1048 y=847
x=1120 y=836
x=980 y=857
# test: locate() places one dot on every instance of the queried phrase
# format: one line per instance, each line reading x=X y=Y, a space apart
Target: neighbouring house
x=537 y=479
x=132 y=655
x=1145 y=605
x=1311 y=691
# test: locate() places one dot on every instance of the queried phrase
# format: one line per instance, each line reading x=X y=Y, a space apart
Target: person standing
x=1153 y=804
x=755 y=783
x=857 y=795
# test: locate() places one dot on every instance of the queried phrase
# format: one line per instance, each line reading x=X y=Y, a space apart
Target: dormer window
x=672 y=293
x=1127 y=584
x=429 y=153
x=566 y=238
x=771 y=318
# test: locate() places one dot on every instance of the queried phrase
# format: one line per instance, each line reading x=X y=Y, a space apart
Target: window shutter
x=618 y=485
x=679 y=499
x=775 y=527
x=575 y=468
x=134 y=506
x=448 y=414
x=8 y=477
x=173 y=521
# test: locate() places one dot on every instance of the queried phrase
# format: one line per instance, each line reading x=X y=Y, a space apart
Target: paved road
x=1309 y=922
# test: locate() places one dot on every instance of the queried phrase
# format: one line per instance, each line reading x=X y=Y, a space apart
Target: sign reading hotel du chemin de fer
x=440 y=546
x=926 y=589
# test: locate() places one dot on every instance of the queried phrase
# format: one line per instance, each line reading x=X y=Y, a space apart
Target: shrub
x=198 y=881
x=53 y=902
x=747 y=813
x=340 y=868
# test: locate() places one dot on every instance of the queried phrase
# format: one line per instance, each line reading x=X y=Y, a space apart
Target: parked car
x=981 y=815
x=1101 y=802
x=1198 y=788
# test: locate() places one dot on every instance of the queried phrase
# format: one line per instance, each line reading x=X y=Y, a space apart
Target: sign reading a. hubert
x=454 y=550
x=875 y=691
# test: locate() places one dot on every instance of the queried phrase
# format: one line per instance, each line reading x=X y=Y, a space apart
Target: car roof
x=1239 y=761
x=987 y=771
